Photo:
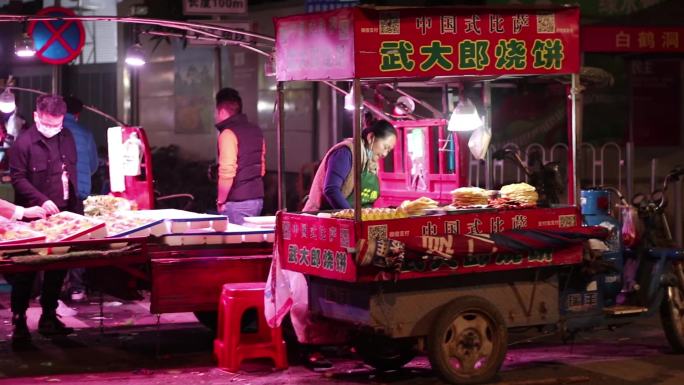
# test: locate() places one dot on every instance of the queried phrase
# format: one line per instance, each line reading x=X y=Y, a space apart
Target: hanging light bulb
x=135 y=55
x=465 y=117
x=24 y=47
x=7 y=101
x=349 y=101
x=404 y=106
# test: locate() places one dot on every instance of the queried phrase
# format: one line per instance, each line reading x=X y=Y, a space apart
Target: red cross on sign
x=57 y=41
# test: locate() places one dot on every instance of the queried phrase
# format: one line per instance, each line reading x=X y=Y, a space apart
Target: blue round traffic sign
x=57 y=41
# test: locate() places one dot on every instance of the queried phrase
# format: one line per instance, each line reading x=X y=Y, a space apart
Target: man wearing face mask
x=43 y=170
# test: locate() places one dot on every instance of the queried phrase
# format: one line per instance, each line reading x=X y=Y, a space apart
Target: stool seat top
x=243 y=286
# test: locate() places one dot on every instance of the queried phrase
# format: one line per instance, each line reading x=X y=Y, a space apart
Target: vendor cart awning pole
x=487 y=102
x=358 y=100
x=575 y=138
x=280 y=143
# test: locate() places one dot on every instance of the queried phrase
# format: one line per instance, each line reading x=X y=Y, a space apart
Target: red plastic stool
x=231 y=345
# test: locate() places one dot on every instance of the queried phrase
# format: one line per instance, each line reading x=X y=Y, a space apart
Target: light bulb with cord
x=7 y=101
x=135 y=55
x=24 y=46
x=464 y=117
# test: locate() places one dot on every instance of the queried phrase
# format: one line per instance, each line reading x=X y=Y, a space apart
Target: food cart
x=443 y=280
x=184 y=258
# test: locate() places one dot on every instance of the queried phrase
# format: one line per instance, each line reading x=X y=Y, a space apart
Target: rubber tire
x=395 y=353
x=208 y=318
x=445 y=318
x=674 y=336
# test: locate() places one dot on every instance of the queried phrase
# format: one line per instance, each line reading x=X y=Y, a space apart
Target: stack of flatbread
x=521 y=193
x=418 y=206
x=469 y=196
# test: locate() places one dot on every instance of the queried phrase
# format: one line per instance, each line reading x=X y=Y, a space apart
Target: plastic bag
x=479 y=142
x=630 y=225
x=277 y=293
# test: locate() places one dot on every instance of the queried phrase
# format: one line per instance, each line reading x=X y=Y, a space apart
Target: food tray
x=21 y=234
x=234 y=234
x=74 y=227
x=117 y=226
x=266 y=222
x=180 y=221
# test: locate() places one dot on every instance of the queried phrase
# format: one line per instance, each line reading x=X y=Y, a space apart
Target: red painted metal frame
x=139 y=190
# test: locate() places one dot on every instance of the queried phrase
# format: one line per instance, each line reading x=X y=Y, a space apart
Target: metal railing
x=596 y=164
x=604 y=165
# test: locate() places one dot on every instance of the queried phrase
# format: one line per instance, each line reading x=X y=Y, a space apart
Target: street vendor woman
x=333 y=188
x=43 y=169
x=333 y=184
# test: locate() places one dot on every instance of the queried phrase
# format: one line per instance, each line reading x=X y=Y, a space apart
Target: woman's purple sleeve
x=339 y=166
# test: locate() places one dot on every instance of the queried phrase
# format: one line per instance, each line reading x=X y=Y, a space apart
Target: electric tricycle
x=453 y=283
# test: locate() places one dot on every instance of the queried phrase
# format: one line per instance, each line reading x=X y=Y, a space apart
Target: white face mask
x=48 y=132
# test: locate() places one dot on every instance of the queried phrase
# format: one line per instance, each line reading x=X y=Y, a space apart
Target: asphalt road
x=132 y=349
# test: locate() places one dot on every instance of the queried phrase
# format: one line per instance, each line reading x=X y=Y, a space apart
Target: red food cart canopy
x=369 y=42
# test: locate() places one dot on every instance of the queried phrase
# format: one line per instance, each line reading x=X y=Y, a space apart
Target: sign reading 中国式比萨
x=214 y=7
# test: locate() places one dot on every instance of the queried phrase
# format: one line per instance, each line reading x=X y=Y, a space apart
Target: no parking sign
x=57 y=41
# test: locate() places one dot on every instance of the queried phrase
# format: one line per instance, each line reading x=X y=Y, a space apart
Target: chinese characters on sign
x=428 y=41
x=632 y=39
x=472 y=55
x=316 y=245
x=214 y=7
x=470 y=43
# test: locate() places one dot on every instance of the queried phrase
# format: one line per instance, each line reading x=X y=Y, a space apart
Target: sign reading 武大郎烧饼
x=420 y=42
x=316 y=245
x=214 y=7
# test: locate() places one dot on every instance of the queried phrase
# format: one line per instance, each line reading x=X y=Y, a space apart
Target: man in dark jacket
x=43 y=171
x=242 y=152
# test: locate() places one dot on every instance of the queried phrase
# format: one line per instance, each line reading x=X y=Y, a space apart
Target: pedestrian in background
x=241 y=165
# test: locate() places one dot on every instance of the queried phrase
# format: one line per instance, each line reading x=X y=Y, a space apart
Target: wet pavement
x=128 y=345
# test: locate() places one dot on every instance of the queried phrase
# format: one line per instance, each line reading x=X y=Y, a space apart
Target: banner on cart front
x=318 y=246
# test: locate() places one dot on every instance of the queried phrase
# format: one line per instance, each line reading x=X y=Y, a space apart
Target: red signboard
x=425 y=42
x=632 y=39
x=318 y=246
x=332 y=240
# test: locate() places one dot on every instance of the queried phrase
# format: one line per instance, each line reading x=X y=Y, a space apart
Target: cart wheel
x=208 y=318
x=467 y=343
x=672 y=318
x=385 y=353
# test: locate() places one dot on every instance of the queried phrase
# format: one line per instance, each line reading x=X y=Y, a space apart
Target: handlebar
x=658 y=200
x=616 y=192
